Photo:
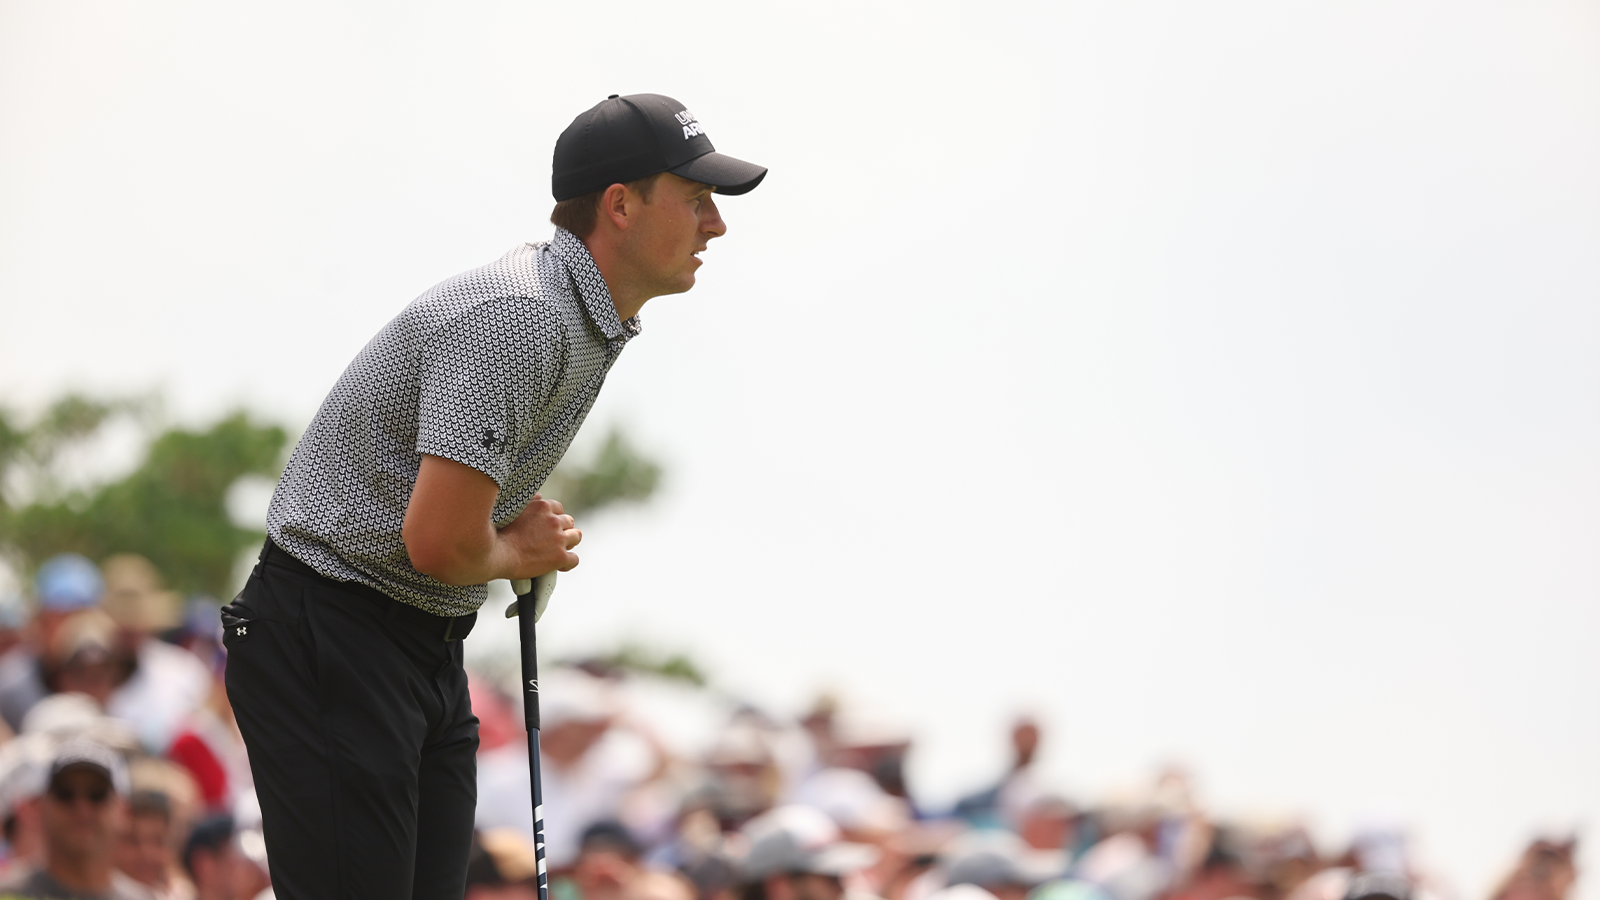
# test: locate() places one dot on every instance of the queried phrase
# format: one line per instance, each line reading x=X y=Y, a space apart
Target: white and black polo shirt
x=494 y=368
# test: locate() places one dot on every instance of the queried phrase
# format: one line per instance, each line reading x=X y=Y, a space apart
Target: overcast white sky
x=1218 y=380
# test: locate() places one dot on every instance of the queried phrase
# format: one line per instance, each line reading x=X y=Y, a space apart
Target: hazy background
x=1217 y=380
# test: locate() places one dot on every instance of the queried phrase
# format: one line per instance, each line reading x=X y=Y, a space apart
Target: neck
x=87 y=875
x=625 y=295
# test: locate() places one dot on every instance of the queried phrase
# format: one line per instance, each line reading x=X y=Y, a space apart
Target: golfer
x=417 y=483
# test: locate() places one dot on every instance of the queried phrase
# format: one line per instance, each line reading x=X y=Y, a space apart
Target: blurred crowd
x=122 y=775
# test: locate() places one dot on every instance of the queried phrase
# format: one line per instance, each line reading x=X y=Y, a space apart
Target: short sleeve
x=480 y=378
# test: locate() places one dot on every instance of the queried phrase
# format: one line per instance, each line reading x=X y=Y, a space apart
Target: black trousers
x=362 y=740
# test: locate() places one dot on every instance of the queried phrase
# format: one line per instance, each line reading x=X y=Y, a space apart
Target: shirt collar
x=592 y=290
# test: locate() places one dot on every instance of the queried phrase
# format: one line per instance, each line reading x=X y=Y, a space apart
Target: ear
x=614 y=206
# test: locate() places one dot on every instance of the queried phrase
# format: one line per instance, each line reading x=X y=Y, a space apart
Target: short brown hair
x=579 y=214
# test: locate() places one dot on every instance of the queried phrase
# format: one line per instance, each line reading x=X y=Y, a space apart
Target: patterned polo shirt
x=495 y=368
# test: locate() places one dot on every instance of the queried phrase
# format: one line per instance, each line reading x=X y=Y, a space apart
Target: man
x=608 y=861
x=81 y=814
x=417 y=483
x=796 y=854
x=1002 y=864
x=217 y=866
x=145 y=847
x=66 y=584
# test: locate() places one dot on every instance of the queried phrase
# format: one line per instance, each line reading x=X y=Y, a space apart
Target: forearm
x=447 y=531
x=449 y=535
x=462 y=555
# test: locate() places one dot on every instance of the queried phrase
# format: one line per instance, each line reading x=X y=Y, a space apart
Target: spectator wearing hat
x=25 y=763
x=217 y=863
x=1002 y=864
x=165 y=683
x=82 y=658
x=608 y=861
x=64 y=585
x=24 y=766
x=81 y=813
x=591 y=759
x=796 y=854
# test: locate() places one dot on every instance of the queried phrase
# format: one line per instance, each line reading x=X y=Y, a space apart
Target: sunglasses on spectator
x=95 y=795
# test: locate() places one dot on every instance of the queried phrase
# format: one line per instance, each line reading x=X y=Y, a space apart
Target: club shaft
x=530 y=713
x=538 y=814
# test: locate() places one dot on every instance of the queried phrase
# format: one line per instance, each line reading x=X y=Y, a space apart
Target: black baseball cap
x=622 y=139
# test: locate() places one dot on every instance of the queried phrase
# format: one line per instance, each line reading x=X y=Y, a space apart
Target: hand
x=541 y=539
x=449 y=536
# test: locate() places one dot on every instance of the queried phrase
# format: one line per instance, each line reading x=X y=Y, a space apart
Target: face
x=81 y=815
x=216 y=872
x=95 y=677
x=667 y=234
x=142 y=851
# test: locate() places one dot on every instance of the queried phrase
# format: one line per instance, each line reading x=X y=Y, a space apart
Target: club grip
x=530 y=664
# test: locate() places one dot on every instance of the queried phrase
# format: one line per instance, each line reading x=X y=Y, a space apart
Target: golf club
x=537 y=590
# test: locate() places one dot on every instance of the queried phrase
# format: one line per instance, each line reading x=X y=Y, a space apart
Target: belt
x=449 y=628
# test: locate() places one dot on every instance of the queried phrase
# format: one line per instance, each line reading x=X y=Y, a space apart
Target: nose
x=710 y=219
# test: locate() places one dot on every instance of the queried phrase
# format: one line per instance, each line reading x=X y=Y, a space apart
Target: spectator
x=207 y=744
x=588 y=766
x=81 y=812
x=221 y=870
x=24 y=765
x=608 y=861
x=1545 y=872
x=165 y=683
x=742 y=777
x=1001 y=864
x=153 y=776
x=1049 y=822
x=796 y=854
x=1385 y=885
x=1220 y=876
x=145 y=847
x=81 y=658
x=65 y=584
x=996 y=806
x=502 y=866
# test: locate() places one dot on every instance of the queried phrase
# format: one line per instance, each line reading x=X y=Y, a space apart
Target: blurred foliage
x=618 y=473
x=172 y=508
x=30 y=457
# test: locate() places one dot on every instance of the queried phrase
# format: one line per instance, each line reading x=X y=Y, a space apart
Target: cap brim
x=841 y=858
x=723 y=172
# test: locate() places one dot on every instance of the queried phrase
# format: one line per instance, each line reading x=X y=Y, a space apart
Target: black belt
x=449 y=628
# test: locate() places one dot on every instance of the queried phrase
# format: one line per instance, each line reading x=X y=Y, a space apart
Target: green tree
x=172 y=508
x=618 y=473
